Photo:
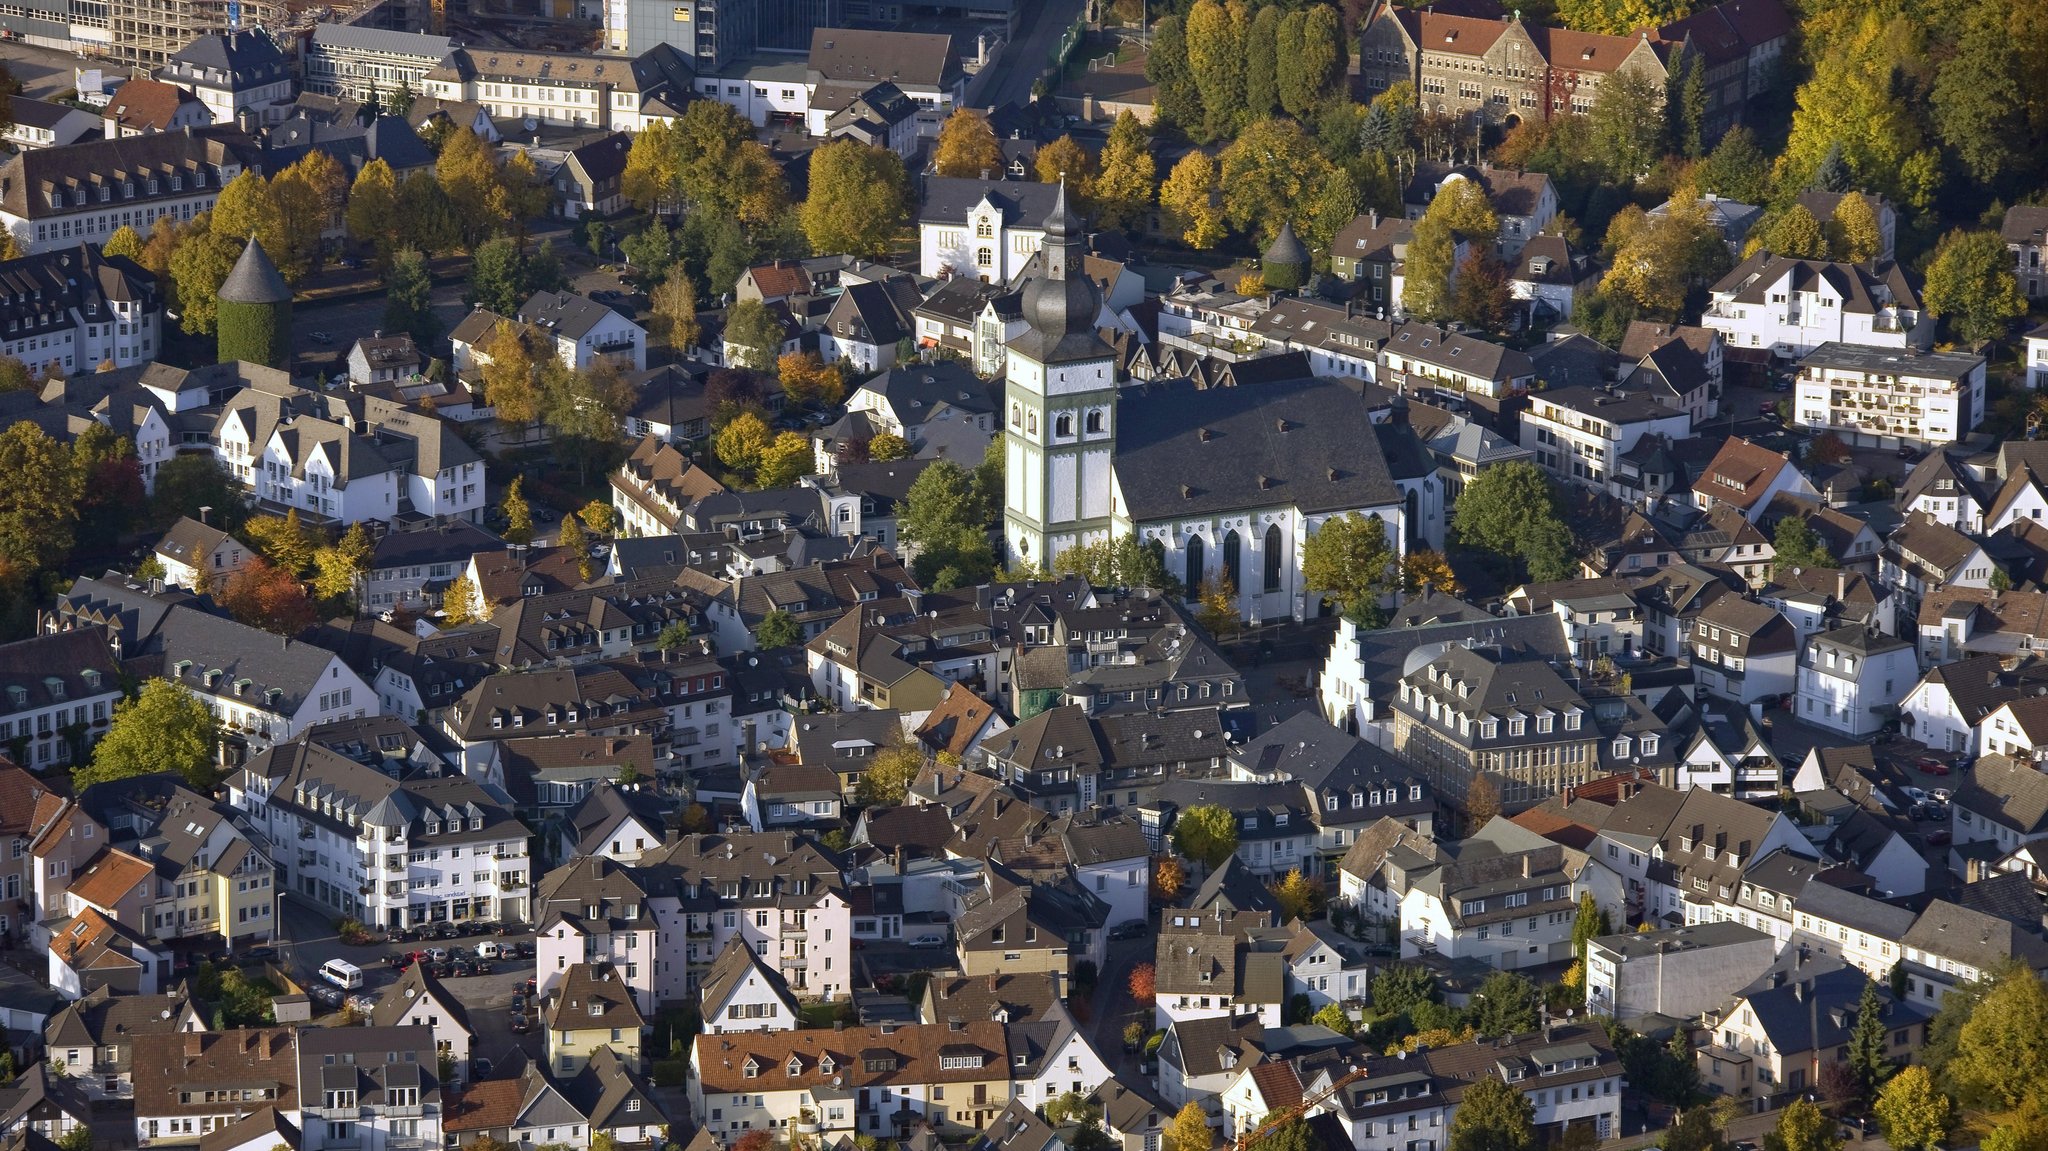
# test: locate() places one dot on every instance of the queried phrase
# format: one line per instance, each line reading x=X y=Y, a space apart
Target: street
x=1027 y=53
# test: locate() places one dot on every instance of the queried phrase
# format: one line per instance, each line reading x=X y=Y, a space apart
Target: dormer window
x=750 y=1069
x=795 y=1068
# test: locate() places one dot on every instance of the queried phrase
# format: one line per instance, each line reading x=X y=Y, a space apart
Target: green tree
x=1853 y=231
x=39 y=501
x=1207 y=834
x=1324 y=58
x=1123 y=189
x=754 y=334
x=409 y=304
x=778 y=629
x=1914 y=1115
x=1505 y=1004
x=518 y=513
x=1802 y=1126
x=1460 y=210
x=674 y=637
x=1511 y=511
x=1400 y=986
x=1293 y=87
x=426 y=218
x=199 y=263
x=888 y=446
x=652 y=251
x=1869 y=1052
x=1686 y=97
x=186 y=483
x=1351 y=560
x=2023 y=1130
x=1693 y=1131
x=1189 y=200
x=1261 y=79
x=1736 y=169
x=1979 y=99
x=1179 y=101
x=967 y=147
x=1833 y=174
x=1793 y=232
x=124 y=242
x=946 y=514
x=1481 y=296
x=2001 y=1053
x=886 y=779
x=859 y=197
x=1216 y=58
x=1971 y=285
x=1271 y=175
x=586 y=408
x=1117 y=561
x=497 y=276
x=1493 y=1117
x=164 y=728
x=1627 y=125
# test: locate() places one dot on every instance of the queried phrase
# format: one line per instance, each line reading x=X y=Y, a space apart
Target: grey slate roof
x=563 y=313
x=1183 y=451
x=947 y=199
x=390 y=43
x=255 y=279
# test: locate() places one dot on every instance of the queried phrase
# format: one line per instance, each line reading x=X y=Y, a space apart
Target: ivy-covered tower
x=1286 y=262
x=254 y=323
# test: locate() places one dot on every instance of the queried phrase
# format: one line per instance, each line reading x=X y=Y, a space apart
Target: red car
x=1931 y=765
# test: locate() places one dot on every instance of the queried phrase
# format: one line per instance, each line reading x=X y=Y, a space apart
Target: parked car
x=1939 y=837
x=437 y=955
x=1931 y=766
x=325 y=994
x=1914 y=794
x=322 y=338
x=521 y=1023
x=929 y=939
x=1129 y=929
x=480 y=1068
x=254 y=955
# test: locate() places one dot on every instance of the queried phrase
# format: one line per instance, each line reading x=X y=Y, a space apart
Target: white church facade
x=1226 y=483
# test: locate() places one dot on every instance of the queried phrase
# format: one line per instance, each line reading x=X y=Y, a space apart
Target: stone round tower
x=1285 y=263
x=255 y=315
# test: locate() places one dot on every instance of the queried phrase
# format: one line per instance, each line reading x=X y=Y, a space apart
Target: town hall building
x=1226 y=484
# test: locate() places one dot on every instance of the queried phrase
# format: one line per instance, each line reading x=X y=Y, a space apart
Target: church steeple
x=1061 y=305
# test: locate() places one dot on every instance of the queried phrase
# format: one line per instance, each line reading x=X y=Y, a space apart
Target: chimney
x=1841 y=586
x=1799 y=991
x=1527 y=863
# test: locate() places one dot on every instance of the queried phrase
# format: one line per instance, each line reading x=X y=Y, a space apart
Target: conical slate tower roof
x=1286 y=249
x=255 y=280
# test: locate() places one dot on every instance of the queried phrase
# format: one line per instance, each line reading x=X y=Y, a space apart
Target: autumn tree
x=518 y=513
x=1298 y=896
x=1658 y=260
x=1802 y=1126
x=1971 y=285
x=163 y=728
x=468 y=175
x=246 y=207
x=1913 y=1112
x=461 y=604
x=1481 y=296
x=1066 y=161
x=739 y=444
x=1459 y=210
x=1168 y=878
x=309 y=197
x=673 y=308
x=1352 y=562
x=285 y=542
x=1482 y=801
x=887 y=446
x=1850 y=102
x=124 y=242
x=1117 y=561
x=199 y=263
x=1273 y=173
x=1424 y=571
x=967 y=147
x=511 y=375
x=1178 y=102
x=1207 y=834
x=808 y=382
x=1123 y=189
x=859 y=197
x=269 y=597
x=1216 y=59
x=339 y=569
x=2001 y=1053
x=1189 y=200
x=1853 y=231
x=885 y=780
x=1144 y=983
x=787 y=457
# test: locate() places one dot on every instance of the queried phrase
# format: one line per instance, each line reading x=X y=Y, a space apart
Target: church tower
x=1059 y=427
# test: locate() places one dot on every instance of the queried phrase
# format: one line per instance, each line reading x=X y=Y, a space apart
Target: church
x=1226 y=483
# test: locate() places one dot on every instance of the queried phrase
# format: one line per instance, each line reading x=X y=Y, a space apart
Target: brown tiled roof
x=1278 y=1084
x=484 y=1106
x=588 y=986
x=166 y=1065
x=781 y=278
x=1744 y=463
x=860 y=1057
x=147 y=105
x=106 y=879
x=952 y=726
x=22 y=798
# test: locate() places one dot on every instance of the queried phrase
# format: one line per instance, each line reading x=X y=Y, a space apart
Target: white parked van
x=342 y=974
x=490 y=949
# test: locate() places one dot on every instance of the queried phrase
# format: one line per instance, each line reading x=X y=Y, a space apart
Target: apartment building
x=798 y=916
x=356 y=62
x=1786 y=306
x=368 y=1087
x=581 y=330
x=1851 y=676
x=875 y=1081
x=1775 y=1040
x=1503 y=70
x=1890 y=397
x=1679 y=972
x=981 y=228
x=59 y=695
x=387 y=852
x=53 y=198
x=1419 y=359
x=240 y=75
x=190 y=1084
x=69 y=309
x=563 y=89
x=1463 y=713
x=591 y=1009
x=333 y=463
x=1580 y=434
